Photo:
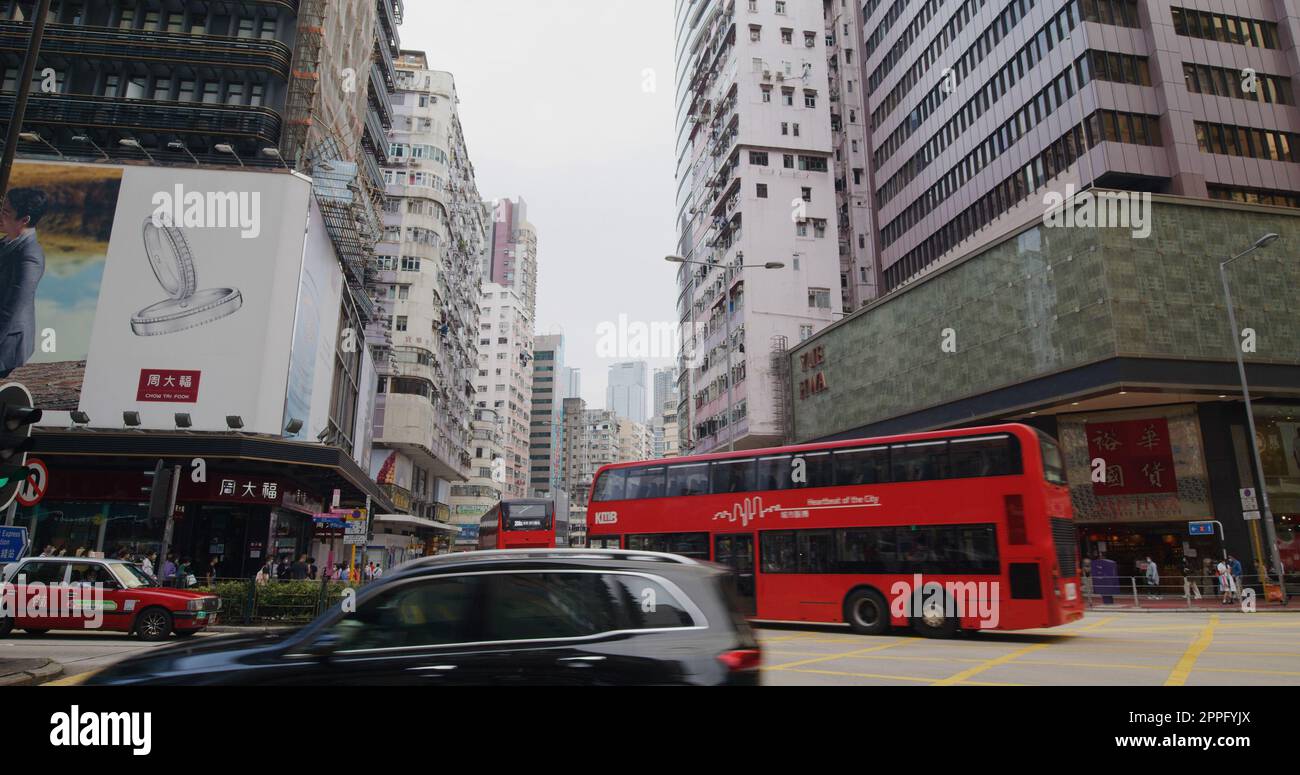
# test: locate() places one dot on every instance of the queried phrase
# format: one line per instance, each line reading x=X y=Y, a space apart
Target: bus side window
x=774 y=473
x=733 y=476
x=811 y=469
x=688 y=479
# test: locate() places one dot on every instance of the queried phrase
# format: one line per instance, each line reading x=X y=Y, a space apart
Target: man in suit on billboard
x=22 y=263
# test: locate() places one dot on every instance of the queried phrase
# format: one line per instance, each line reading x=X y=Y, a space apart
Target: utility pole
x=24 y=91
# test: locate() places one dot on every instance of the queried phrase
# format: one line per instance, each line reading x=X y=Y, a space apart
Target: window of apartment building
x=403 y=292
x=788 y=161
x=780 y=6
x=1224 y=28
x=805 y=333
x=767 y=93
x=787 y=97
x=801 y=228
x=127 y=20
x=819 y=227
x=819 y=298
x=810 y=39
x=401 y=323
x=785 y=128
x=245 y=28
x=185 y=91
x=211 y=92
x=162 y=89
x=235 y=94
x=848 y=56
x=787 y=36
x=755 y=32
x=758 y=157
x=796 y=128
x=762 y=191
x=152 y=21
x=410 y=263
x=812 y=164
x=806 y=192
x=809 y=99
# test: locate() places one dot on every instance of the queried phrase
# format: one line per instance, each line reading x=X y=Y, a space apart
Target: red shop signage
x=168 y=386
x=1138 y=457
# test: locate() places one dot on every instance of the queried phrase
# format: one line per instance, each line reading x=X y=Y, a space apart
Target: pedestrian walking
x=312 y=571
x=283 y=569
x=213 y=565
x=1227 y=587
x=299 y=569
x=1153 y=578
x=1190 y=587
x=1234 y=567
x=169 y=571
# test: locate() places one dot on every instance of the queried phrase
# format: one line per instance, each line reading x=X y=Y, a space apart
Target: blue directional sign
x=13 y=542
x=1200 y=528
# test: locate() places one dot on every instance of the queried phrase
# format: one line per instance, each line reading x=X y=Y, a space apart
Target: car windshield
x=131 y=577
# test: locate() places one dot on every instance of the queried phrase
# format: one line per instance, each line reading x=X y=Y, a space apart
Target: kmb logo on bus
x=606 y=517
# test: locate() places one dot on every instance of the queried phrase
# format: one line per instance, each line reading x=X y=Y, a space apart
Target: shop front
x=1278 y=434
x=240 y=503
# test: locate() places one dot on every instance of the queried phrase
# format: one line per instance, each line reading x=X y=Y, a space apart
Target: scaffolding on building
x=781 y=390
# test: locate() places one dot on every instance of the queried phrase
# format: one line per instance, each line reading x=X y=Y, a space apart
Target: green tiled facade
x=1049 y=299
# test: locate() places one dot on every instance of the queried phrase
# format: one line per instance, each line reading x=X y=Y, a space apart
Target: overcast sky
x=557 y=108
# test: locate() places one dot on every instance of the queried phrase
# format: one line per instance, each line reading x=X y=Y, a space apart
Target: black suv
x=511 y=617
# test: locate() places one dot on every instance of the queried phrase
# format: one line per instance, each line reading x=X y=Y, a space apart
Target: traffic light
x=17 y=416
x=159 y=491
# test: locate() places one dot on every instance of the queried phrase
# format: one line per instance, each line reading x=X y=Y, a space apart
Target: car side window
x=90 y=573
x=648 y=604
x=544 y=606
x=434 y=612
x=44 y=572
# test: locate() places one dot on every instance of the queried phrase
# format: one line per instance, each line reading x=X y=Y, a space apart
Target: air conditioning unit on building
x=767 y=75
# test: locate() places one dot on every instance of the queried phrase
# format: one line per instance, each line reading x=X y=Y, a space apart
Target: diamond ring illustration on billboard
x=172 y=262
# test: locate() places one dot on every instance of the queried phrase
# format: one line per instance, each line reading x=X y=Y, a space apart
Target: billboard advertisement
x=166 y=290
x=315 y=335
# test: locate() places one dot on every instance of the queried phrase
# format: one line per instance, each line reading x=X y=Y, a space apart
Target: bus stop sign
x=1200 y=528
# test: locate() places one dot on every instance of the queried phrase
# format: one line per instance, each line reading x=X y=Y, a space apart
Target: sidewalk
x=1180 y=604
x=28 y=672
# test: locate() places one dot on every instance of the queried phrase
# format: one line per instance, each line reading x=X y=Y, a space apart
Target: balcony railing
x=77 y=41
x=145 y=116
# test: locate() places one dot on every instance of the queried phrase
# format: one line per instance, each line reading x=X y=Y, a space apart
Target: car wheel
x=30 y=631
x=934 y=621
x=6 y=626
x=154 y=624
x=866 y=612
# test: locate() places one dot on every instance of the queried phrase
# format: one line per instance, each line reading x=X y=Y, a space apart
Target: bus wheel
x=934 y=621
x=866 y=612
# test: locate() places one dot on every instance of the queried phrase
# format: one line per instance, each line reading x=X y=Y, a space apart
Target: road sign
x=356 y=532
x=1248 y=500
x=1250 y=516
x=33 y=488
x=1200 y=528
x=13 y=542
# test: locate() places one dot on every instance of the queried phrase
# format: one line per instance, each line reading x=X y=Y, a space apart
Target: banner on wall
x=164 y=291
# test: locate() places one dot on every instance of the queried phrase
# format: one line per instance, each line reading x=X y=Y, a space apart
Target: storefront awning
x=407 y=519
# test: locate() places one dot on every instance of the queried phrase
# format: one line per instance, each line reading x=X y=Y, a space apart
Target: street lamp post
x=726 y=314
x=1270 y=534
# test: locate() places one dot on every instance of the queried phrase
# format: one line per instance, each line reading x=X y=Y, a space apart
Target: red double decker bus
x=965 y=529
x=523 y=524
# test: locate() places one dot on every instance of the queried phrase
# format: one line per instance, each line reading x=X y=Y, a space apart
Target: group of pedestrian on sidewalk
x=1226 y=573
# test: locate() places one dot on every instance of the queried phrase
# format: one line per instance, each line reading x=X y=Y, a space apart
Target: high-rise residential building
x=635 y=441
x=512 y=260
x=665 y=389
x=547 y=428
x=755 y=182
x=427 y=291
x=625 y=393
x=859 y=283
x=471 y=500
x=504 y=380
x=575 y=469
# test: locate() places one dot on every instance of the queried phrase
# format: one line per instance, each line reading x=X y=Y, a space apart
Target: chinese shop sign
x=1138 y=456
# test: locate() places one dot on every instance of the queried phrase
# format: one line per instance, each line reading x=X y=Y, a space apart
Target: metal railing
x=1197 y=592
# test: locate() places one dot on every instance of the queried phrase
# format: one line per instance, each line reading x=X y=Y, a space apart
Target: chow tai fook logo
x=753 y=509
x=814 y=380
x=168 y=386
